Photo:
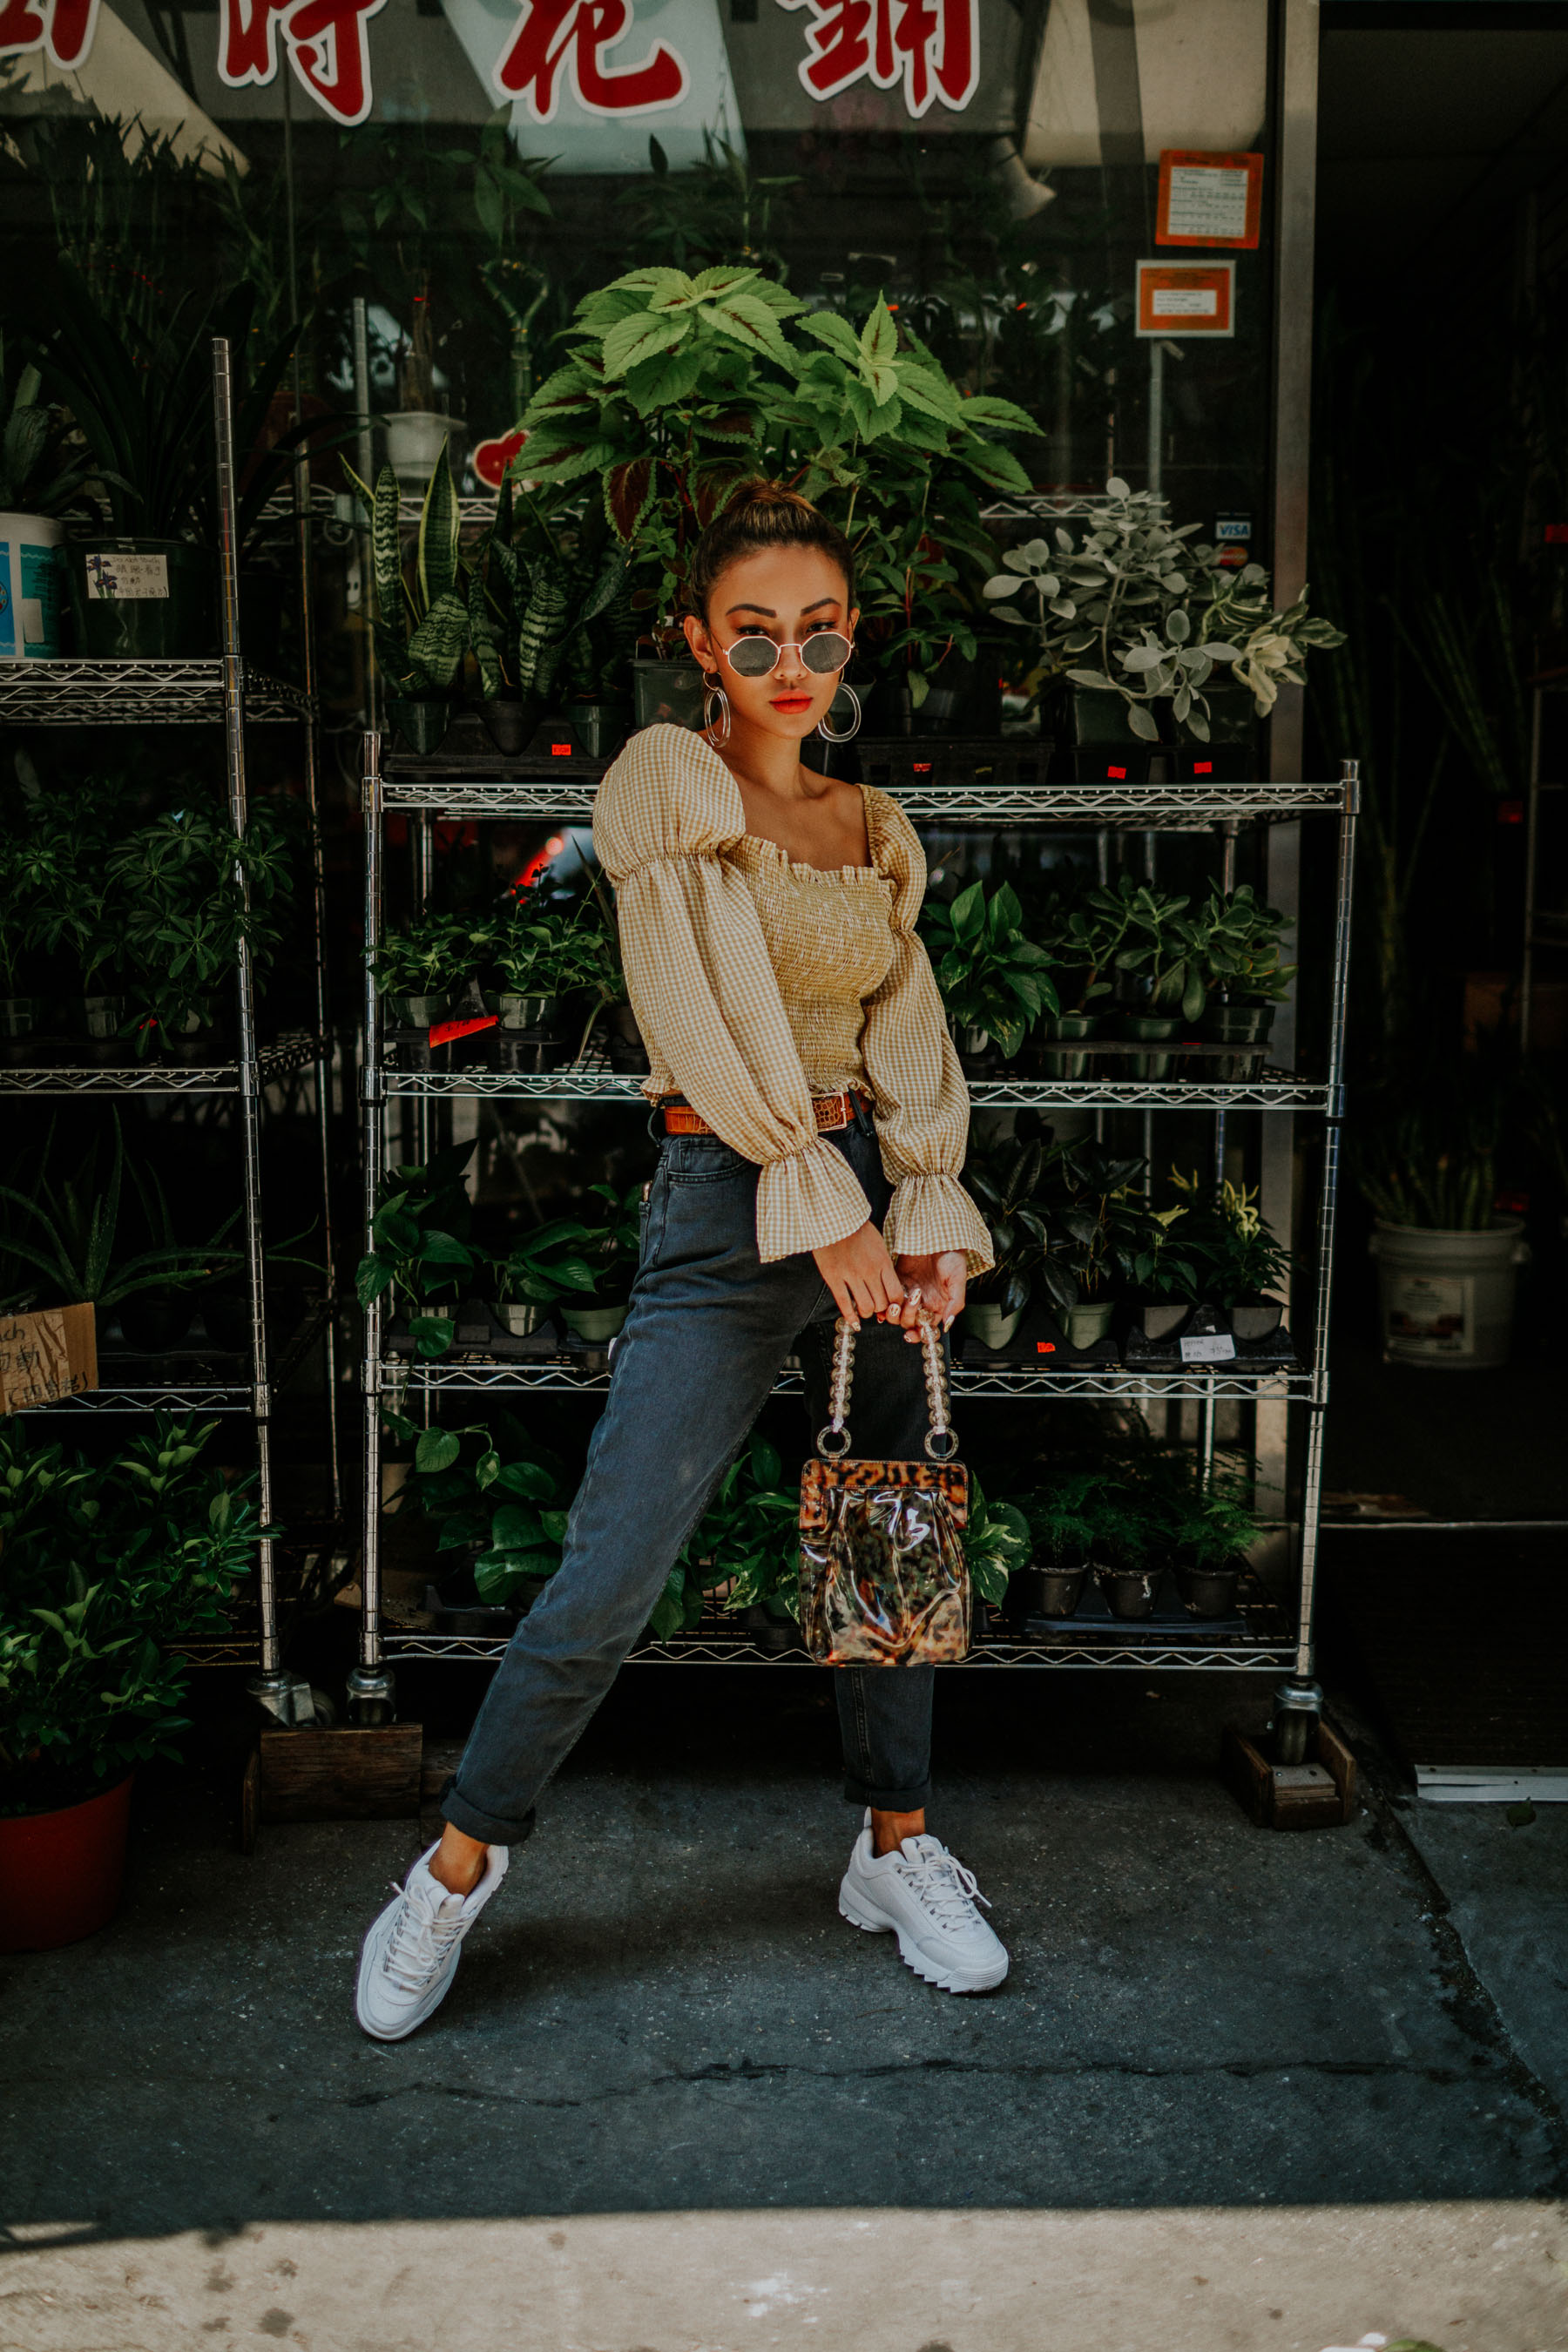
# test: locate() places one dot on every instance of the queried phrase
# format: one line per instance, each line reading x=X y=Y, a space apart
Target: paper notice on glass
x=1186 y=298
x=1209 y=199
x=47 y=1356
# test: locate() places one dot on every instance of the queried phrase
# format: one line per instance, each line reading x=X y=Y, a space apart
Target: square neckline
x=871 y=872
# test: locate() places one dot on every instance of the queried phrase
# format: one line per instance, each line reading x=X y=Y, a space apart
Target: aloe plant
x=69 y=1235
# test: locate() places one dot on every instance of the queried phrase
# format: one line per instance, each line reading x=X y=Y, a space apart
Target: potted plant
x=418 y=967
x=1204 y=1523
x=546 y=956
x=419 y=1242
x=69 y=1235
x=1097 y=1237
x=611 y=1250
x=1238 y=952
x=1128 y=1562
x=996 y=1544
x=1158 y=968
x=1003 y=1182
x=42 y=479
x=1062 y=1534
x=544 y=1267
x=746 y=1549
x=1081 y=936
x=429 y=616
x=1226 y=1257
x=1160 y=612
x=107 y=1565
x=1448 y=1257
x=992 y=980
x=500 y=1504
x=183 y=910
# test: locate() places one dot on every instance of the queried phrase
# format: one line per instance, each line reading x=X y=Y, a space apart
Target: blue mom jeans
x=708 y=1328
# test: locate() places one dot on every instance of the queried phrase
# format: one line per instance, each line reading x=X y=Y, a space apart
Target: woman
x=813 y=1122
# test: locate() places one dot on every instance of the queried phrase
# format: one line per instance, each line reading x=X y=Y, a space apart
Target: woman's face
x=790 y=594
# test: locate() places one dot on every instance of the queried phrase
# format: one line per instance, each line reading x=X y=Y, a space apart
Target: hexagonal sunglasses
x=755 y=657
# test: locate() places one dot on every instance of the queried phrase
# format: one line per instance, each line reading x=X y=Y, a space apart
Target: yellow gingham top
x=758 y=982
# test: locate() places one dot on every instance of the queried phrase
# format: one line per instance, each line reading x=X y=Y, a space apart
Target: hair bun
x=762 y=492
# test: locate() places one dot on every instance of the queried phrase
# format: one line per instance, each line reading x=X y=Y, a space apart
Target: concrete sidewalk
x=1319 y=2074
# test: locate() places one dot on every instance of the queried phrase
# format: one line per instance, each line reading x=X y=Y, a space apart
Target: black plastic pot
x=1207 y=1592
x=142 y=599
x=1052 y=1590
x=667 y=693
x=421 y=724
x=509 y=721
x=154 y=1321
x=600 y=725
x=540 y=1017
x=624 y=1042
x=1147 y=1027
x=1257 y=1319
x=1237 y=1025
x=419 y=1012
x=1065 y=1024
x=19 y=1016
x=1129 y=1591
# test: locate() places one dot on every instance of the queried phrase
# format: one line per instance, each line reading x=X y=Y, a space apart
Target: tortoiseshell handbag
x=883 y=1581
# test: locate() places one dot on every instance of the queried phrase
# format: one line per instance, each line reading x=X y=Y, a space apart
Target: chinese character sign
x=63 y=27
x=932 y=47
x=575 y=36
x=327 y=40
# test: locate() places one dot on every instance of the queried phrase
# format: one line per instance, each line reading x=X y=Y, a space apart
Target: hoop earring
x=714 y=693
x=853 y=729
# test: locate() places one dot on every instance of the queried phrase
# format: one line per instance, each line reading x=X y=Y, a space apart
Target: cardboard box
x=47 y=1355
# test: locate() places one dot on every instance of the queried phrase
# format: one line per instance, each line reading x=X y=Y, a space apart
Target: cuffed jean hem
x=888 y=1800
x=488 y=1827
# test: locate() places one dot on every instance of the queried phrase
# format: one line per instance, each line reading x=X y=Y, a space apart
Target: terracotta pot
x=61 y=1873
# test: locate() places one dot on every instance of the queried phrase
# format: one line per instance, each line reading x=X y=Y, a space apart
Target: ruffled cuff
x=929 y=1214
x=804 y=1202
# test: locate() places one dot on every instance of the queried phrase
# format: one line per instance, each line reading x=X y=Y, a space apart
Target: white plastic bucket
x=1446 y=1299
x=29 y=588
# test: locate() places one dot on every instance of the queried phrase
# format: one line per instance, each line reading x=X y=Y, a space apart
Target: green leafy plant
x=431 y=613
x=1162 y=945
x=748 y=1538
x=1223 y=1252
x=990 y=976
x=70 y=1234
x=41 y=472
x=614 y=1239
x=106 y=1564
x=503 y=1498
x=175 y=894
x=420 y=1241
x=1238 y=939
x=1204 y=1516
x=677 y=387
x=541 y=947
x=1060 y=1516
x=1159 y=610
x=547 y=1264
x=1002 y=1181
x=1081 y=934
x=430 y=955
x=1097 y=1234
x=1430 y=1159
x=995 y=1542
x=719 y=210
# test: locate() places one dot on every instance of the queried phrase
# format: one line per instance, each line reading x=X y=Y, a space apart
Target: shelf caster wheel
x=1297 y=1707
x=372 y=1697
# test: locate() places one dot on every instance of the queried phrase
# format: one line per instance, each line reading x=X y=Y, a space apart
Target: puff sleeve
x=702 y=985
x=922 y=1104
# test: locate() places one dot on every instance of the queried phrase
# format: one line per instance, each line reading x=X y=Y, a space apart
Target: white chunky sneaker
x=927 y=1897
x=410 y=1954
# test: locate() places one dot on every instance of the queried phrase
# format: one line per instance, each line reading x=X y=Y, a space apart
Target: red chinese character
x=64 y=28
x=578 y=32
x=247 y=41
x=932 y=46
x=328 y=48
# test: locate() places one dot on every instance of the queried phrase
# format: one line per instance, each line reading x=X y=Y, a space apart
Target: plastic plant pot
x=1162 y=1319
x=667 y=693
x=422 y=725
x=539 y=1015
x=1259 y=1320
x=419 y=1012
x=1147 y=1027
x=1237 y=1025
x=599 y=725
x=19 y=1016
x=1066 y=1025
x=1445 y=1297
x=1129 y=1591
x=1088 y=1325
x=594 y=1326
x=1208 y=1591
x=1056 y=1588
x=142 y=599
x=413 y=439
x=521 y=1317
x=509 y=721
x=989 y=1324
x=61 y=1873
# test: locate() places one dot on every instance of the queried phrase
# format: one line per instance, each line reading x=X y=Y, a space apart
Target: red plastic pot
x=60 y=1873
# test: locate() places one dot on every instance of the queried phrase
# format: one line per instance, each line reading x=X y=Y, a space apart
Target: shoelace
x=419 y=1942
x=947 y=1889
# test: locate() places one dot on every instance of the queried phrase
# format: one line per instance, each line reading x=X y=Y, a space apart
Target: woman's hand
x=862 y=1277
x=939 y=1280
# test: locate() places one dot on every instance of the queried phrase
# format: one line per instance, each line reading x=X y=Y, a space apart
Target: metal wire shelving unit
x=224 y=691
x=1270 y=1636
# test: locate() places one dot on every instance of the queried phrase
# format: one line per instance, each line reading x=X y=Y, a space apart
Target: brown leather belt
x=833 y=1111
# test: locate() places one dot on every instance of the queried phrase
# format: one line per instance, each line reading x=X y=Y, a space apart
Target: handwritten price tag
x=47 y=1356
x=1209 y=1347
